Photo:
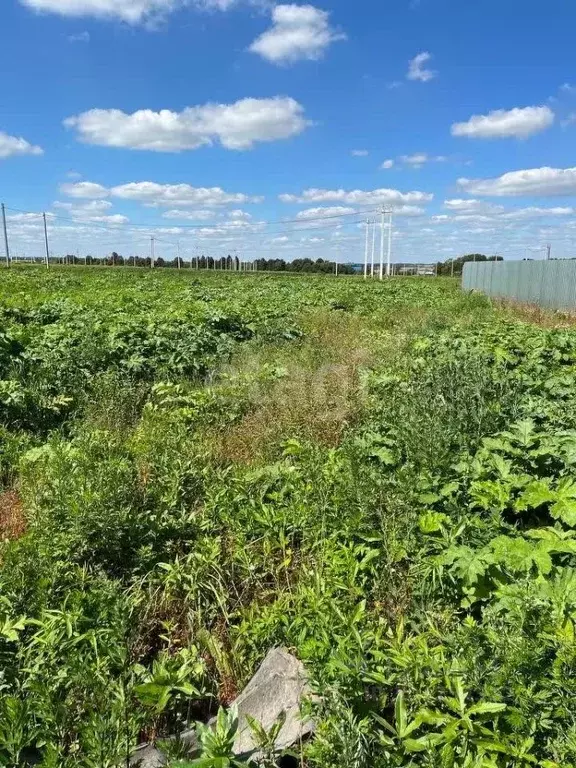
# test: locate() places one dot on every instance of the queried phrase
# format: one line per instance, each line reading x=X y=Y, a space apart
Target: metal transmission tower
x=383 y=212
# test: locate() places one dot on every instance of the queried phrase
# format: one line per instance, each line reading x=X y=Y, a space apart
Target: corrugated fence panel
x=546 y=283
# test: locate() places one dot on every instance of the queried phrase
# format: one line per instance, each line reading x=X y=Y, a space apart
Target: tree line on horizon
x=233 y=263
x=455 y=266
x=230 y=263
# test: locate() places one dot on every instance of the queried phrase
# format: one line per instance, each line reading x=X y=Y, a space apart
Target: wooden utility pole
x=5 y=236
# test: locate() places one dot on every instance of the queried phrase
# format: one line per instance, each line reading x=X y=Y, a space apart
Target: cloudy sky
x=276 y=129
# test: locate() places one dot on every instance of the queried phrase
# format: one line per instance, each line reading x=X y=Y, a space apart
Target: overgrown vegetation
x=379 y=476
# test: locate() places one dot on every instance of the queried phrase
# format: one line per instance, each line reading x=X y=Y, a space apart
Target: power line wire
x=216 y=225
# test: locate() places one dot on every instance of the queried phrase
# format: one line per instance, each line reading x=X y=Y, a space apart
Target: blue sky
x=277 y=128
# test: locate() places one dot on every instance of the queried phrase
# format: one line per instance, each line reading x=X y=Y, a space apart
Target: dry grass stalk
x=317 y=399
x=536 y=315
x=13 y=522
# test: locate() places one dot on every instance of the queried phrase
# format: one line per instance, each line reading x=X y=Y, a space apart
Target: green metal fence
x=546 y=283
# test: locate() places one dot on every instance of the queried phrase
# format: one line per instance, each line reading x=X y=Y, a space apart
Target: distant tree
x=455 y=266
x=304 y=265
x=115 y=259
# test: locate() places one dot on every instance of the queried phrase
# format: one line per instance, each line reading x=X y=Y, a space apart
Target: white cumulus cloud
x=298 y=32
x=130 y=11
x=390 y=197
x=239 y=215
x=93 y=211
x=11 y=146
x=236 y=126
x=27 y=218
x=520 y=122
x=201 y=215
x=534 y=212
x=153 y=194
x=417 y=69
x=458 y=205
x=387 y=164
x=418 y=159
x=335 y=210
x=207 y=214
x=408 y=210
x=94 y=206
x=545 y=182
x=360 y=153
x=115 y=218
x=84 y=189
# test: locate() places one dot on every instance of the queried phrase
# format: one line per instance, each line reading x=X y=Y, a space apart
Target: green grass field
x=197 y=468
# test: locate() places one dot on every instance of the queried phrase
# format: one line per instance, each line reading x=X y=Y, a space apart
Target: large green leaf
x=535 y=494
x=564 y=508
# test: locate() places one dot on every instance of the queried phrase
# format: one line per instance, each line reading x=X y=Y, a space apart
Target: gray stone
x=190 y=739
x=147 y=756
x=279 y=685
